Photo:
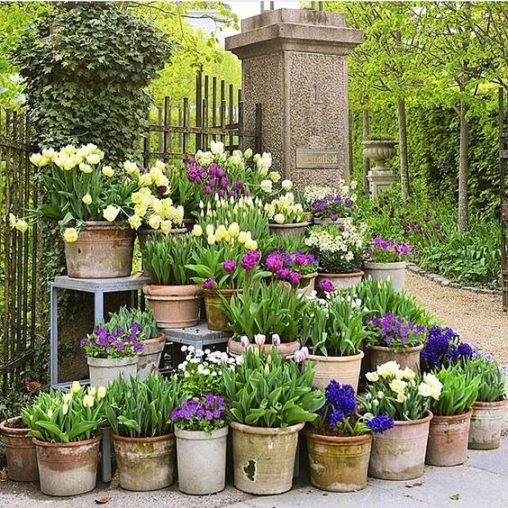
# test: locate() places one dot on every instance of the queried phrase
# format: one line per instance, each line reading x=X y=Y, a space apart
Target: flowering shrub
x=443 y=347
x=206 y=414
x=396 y=332
x=387 y=251
x=339 y=415
x=400 y=394
x=290 y=266
x=66 y=417
x=285 y=210
x=339 y=248
x=333 y=204
x=113 y=343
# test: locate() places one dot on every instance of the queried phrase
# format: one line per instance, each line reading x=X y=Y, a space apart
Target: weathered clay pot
x=215 y=314
x=145 y=463
x=399 y=453
x=201 y=461
x=264 y=458
x=409 y=357
x=344 y=369
x=486 y=424
x=67 y=469
x=341 y=280
x=19 y=451
x=105 y=370
x=174 y=306
x=339 y=464
x=396 y=272
x=296 y=230
x=285 y=349
x=323 y=222
x=150 y=357
x=307 y=284
x=448 y=436
x=103 y=250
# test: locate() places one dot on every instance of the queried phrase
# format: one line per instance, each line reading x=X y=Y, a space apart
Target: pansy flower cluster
x=290 y=266
x=395 y=332
x=200 y=414
x=117 y=343
x=443 y=348
x=387 y=251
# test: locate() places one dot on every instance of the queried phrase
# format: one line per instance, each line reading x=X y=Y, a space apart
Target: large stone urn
x=380 y=176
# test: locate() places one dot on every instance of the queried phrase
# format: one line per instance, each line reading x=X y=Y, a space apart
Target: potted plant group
x=271 y=399
x=139 y=414
x=112 y=352
x=65 y=430
x=334 y=332
x=339 y=249
x=173 y=297
x=153 y=341
x=449 y=427
x=339 y=444
x=263 y=316
x=287 y=217
x=385 y=260
x=491 y=406
x=405 y=396
x=91 y=201
x=395 y=338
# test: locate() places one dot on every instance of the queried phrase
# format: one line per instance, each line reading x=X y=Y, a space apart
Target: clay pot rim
x=291 y=225
x=336 y=359
x=154 y=439
x=72 y=444
x=392 y=265
x=154 y=340
x=216 y=292
x=362 y=438
x=200 y=435
x=412 y=349
x=406 y=423
x=345 y=275
x=490 y=405
x=437 y=419
x=104 y=224
x=312 y=275
x=118 y=362
x=15 y=431
x=267 y=431
x=172 y=289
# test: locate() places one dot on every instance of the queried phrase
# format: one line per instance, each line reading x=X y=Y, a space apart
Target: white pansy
x=110 y=213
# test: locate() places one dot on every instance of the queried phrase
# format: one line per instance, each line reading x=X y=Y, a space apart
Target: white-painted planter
x=201 y=459
x=105 y=370
x=341 y=280
x=396 y=272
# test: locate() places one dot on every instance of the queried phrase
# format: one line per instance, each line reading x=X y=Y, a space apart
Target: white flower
x=276 y=339
x=372 y=376
x=266 y=186
x=85 y=168
x=21 y=225
x=197 y=230
x=87 y=199
x=101 y=392
x=110 y=213
x=388 y=369
x=75 y=387
x=216 y=147
x=248 y=153
x=108 y=171
x=130 y=167
x=244 y=341
x=279 y=218
x=274 y=176
x=134 y=221
x=287 y=185
x=259 y=339
x=93 y=158
x=70 y=235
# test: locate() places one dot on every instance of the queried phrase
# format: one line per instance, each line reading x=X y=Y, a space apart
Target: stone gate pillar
x=294 y=62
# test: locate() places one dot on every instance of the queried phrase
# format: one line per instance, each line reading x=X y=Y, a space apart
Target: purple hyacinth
x=380 y=424
x=341 y=397
x=443 y=347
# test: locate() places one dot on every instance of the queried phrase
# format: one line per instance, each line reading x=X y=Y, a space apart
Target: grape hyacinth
x=379 y=424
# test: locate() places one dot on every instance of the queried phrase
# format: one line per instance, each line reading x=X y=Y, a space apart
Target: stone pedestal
x=294 y=63
x=379 y=181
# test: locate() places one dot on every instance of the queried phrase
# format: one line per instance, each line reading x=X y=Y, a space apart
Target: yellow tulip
x=21 y=225
x=75 y=387
x=234 y=229
x=108 y=171
x=87 y=199
x=197 y=230
x=134 y=221
x=70 y=235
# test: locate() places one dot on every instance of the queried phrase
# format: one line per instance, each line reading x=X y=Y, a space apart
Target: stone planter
x=285 y=349
x=19 y=451
x=105 y=370
x=264 y=458
x=145 y=463
x=399 y=453
x=409 y=357
x=103 y=250
x=215 y=314
x=174 y=306
x=486 y=424
x=344 y=369
x=323 y=222
x=307 y=284
x=396 y=272
x=67 y=469
x=448 y=437
x=339 y=464
x=150 y=357
x=379 y=150
x=296 y=230
x=341 y=280
x=201 y=461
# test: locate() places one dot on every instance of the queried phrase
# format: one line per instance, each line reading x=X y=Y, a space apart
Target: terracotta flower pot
x=307 y=284
x=204 y=452
x=67 y=469
x=399 y=453
x=323 y=222
x=344 y=369
x=285 y=349
x=296 y=230
x=174 y=306
x=19 y=451
x=486 y=424
x=448 y=437
x=396 y=272
x=103 y=250
x=150 y=357
x=341 y=280
x=264 y=458
x=105 y=370
x=215 y=314
x=339 y=464
x=409 y=357
x=145 y=463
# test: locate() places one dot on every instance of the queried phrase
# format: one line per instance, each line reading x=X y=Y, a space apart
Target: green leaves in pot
x=493 y=384
x=126 y=317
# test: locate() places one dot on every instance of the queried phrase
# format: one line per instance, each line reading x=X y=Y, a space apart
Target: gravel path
x=479 y=318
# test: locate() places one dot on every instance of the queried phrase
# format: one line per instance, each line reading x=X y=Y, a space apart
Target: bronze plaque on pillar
x=317 y=158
